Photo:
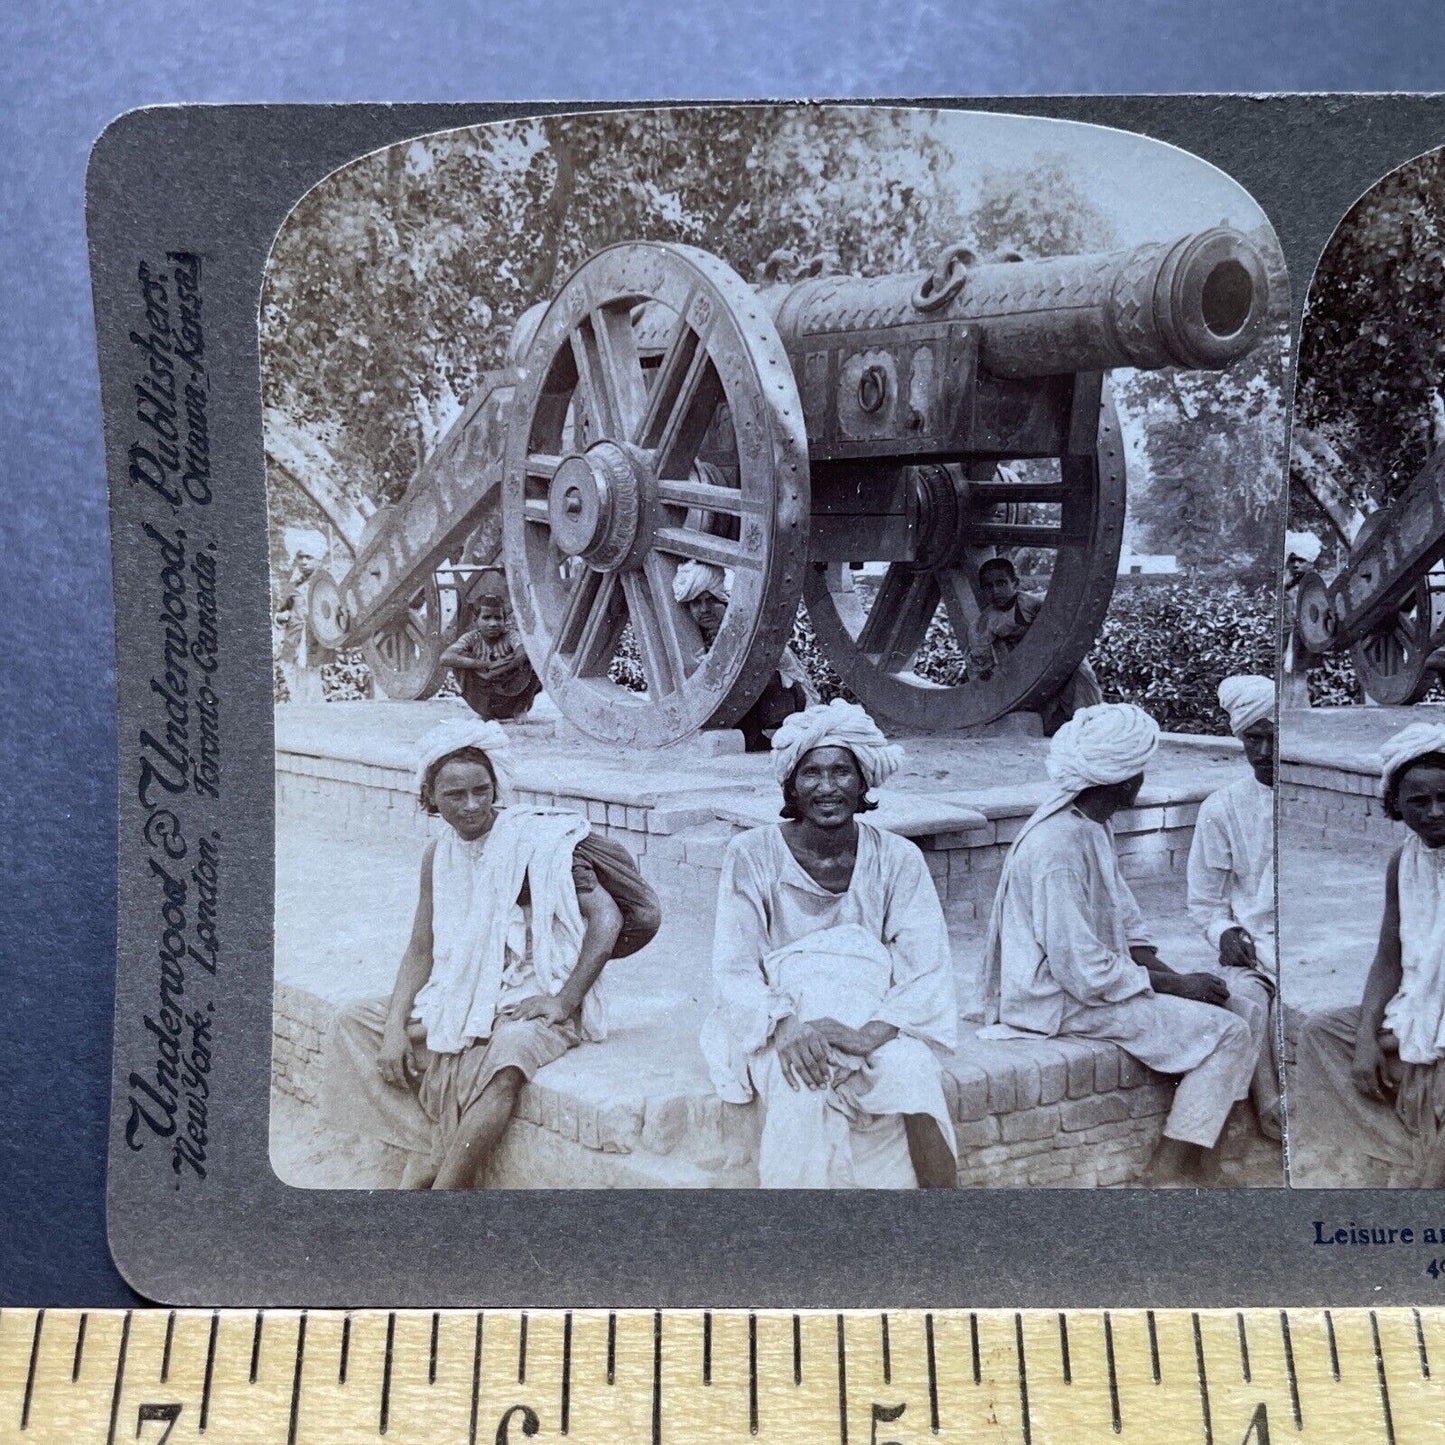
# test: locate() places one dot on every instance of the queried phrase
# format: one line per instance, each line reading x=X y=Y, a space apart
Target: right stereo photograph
x=1361 y=769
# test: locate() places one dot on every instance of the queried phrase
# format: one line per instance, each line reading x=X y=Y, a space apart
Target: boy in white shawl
x=1367 y=1102
x=1231 y=880
x=1068 y=952
x=834 y=990
x=499 y=979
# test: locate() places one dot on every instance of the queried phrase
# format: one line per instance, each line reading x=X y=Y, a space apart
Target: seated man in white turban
x=517 y=914
x=1367 y=1095
x=834 y=990
x=703 y=589
x=1068 y=952
x=1231 y=881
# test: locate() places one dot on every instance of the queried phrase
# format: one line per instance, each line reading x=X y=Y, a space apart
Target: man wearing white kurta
x=834 y=989
x=1231 y=882
x=1068 y=952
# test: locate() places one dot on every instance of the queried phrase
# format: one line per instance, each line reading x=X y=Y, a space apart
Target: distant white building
x=1147 y=564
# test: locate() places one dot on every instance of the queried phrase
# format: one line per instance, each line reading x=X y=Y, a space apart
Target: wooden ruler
x=1217 y=1377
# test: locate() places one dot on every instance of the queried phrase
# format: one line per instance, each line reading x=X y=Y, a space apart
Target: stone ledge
x=631 y=1113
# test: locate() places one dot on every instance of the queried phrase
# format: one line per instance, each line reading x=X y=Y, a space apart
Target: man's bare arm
x=395 y=1059
x=1382 y=984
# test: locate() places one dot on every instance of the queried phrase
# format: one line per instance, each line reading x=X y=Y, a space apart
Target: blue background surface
x=68 y=71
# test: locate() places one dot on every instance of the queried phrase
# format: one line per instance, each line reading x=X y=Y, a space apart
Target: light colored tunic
x=1058 y=963
x=876 y=952
x=1231 y=865
x=1416 y=1014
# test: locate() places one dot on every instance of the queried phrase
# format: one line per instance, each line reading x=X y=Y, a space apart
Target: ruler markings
x=256 y=1346
x=1294 y=1399
x=566 y=1370
x=707 y=1347
x=385 y=1421
x=973 y=1342
x=296 y=1380
x=1203 y=1380
x=1116 y=1417
x=30 y=1372
x=1384 y=1383
x=119 y=1378
x=933 y=1368
x=657 y=1377
x=522 y=1351
x=166 y=1353
x=345 y=1348
x=1023 y=1377
x=210 y=1370
x=1399 y=1339
x=476 y=1379
x=1334 y=1348
x=752 y=1373
x=611 y=1348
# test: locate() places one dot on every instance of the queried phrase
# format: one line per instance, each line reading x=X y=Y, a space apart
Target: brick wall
x=1319 y=805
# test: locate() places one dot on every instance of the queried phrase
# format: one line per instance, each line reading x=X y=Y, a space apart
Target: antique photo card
x=1362 y=731
x=625 y=469
x=697 y=697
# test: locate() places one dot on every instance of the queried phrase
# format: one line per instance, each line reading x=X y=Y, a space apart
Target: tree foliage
x=1372 y=349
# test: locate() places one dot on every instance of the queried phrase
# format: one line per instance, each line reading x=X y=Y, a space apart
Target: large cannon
x=1387 y=604
x=660 y=409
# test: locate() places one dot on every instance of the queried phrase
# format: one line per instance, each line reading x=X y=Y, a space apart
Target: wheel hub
x=594 y=505
x=940 y=512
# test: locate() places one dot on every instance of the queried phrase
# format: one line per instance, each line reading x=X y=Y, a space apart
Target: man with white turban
x=1231 y=881
x=703 y=589
x=1367 y=1098
x=834 y=996
x=1068 y=952
x=518 y=910
x=298 y=654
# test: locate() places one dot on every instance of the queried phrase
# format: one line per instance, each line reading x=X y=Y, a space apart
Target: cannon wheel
x=874 y=649
x=604 y=495
x=405 y=652
x=1393 y=661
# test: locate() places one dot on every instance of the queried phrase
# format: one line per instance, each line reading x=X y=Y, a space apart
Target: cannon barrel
x=1197 y=301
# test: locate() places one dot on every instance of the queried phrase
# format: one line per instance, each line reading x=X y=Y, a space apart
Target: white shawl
x=1416 y=1014
x=474 y=893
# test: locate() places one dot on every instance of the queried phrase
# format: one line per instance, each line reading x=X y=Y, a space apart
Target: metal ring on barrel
x=960 y=526
x=605 y=494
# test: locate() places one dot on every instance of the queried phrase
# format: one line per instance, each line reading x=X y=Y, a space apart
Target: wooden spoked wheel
x=651 y=355
x=1392 y=663
x=1075 y=521
x=405 y=652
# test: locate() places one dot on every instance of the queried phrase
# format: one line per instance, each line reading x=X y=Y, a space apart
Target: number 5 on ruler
x=885 y=1414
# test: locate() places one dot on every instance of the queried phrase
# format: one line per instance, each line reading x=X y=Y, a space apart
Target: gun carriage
x=1387 y=605
x=660 y=409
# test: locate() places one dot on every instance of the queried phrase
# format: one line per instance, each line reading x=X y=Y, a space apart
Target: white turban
x=696 y=579
x=1407 y=745
x=1246 y=698
x=458 y=733
x=1304 y=545
x=1103 y=744
x=837 y=724
x=305 y=542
